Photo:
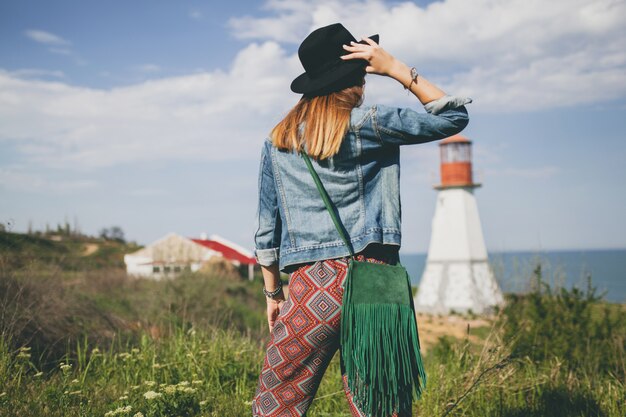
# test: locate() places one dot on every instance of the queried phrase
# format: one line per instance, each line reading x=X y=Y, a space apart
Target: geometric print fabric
x=304 y=339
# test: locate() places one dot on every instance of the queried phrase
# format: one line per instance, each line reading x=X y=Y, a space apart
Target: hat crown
x=323 y=47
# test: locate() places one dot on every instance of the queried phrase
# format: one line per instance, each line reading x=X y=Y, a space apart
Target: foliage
x=94 y=342
x=588 y=335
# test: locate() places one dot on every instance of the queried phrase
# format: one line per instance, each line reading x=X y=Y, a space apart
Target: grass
x=93 y=342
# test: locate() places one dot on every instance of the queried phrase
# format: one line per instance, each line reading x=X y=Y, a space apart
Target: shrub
x=573 y=325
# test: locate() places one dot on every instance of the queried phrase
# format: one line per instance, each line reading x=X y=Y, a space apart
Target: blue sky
x=150 y=114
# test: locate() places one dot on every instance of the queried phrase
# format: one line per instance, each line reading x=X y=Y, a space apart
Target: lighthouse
x=457 y=276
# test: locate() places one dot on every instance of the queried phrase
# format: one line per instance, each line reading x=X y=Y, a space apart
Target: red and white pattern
x=303 y=341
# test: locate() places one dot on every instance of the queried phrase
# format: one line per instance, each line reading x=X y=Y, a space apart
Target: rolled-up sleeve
x=444 y=117
x=268 y=223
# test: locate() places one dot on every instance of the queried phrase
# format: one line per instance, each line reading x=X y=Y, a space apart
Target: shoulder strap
x=327 y=203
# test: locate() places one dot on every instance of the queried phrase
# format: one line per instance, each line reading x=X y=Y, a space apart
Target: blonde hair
x=326 y=118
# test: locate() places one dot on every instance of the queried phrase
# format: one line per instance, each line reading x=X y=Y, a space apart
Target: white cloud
x=509 y=55
x=202 y=116
x=506 y=55
x=47 y=38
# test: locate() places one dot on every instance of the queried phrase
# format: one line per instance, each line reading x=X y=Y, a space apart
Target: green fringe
x=381 y=355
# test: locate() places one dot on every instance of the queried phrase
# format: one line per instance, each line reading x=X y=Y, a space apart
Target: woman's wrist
x=400 y=72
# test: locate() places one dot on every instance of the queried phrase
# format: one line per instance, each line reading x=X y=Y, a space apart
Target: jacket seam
x=279 y=185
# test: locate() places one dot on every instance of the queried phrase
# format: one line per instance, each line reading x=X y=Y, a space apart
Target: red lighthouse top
x=456 y=162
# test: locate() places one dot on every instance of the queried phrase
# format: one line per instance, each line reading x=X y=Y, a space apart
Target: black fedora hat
x=325 y=71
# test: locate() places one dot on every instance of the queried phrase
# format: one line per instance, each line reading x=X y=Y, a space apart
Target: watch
x=414 y=76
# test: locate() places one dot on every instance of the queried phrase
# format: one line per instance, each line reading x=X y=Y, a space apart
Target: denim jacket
x=362 y=180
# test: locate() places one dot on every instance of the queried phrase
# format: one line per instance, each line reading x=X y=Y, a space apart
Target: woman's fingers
x=368 y=40
x=362 y=55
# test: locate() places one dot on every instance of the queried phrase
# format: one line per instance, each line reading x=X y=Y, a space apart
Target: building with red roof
x=173 y=254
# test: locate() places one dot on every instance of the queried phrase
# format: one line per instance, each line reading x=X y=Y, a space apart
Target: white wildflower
x=149 y=383
x=150 y=395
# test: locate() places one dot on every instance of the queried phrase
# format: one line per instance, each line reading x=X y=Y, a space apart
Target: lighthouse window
x=455 y=152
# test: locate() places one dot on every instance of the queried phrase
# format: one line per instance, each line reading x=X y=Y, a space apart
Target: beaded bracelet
x=274 y=293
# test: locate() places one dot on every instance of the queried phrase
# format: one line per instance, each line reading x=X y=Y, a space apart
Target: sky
x=150 y=115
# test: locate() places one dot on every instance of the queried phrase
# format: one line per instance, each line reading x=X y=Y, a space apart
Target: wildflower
x=24 y=355
x=149 y=383
x=183 y=383
x=150 y=395
x=65 y=366
x=203 y=352
x=119 y=410
x=196 y=381
x=25 y=348
x=123 y=397
x=95 y=351
x=74 y=381
x=134 y=350
x=203 y=403
x=138 y=414
x=170 y=389
x=188 y=390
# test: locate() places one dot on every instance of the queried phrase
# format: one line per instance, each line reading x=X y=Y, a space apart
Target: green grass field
x=92 y=342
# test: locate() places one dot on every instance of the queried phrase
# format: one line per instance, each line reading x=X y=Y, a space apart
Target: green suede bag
x=380 y=349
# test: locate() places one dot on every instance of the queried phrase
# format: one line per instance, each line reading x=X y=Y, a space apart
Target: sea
x=559 y=268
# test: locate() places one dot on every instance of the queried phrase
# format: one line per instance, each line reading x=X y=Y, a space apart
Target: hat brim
x=304 y=84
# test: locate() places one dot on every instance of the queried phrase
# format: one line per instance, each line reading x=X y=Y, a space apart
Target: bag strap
x=327 y=203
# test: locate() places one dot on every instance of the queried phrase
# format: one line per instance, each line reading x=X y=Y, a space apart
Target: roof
x=455 y=139
x=229 y=250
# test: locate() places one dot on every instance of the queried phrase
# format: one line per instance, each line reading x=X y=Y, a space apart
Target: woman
x=355 y=152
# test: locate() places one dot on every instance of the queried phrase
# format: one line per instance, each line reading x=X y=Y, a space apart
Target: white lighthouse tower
x=457 y=276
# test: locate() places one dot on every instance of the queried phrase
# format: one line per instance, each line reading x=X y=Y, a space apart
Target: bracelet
x=414 y=75
x=274 y=293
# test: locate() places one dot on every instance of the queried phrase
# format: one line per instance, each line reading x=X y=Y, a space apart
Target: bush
x=573 y=325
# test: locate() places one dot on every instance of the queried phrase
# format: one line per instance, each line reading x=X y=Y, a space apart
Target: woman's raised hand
x=380 y=61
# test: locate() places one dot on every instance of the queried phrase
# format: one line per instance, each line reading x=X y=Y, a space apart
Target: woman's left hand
x=273 y=310
x=379 y=61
